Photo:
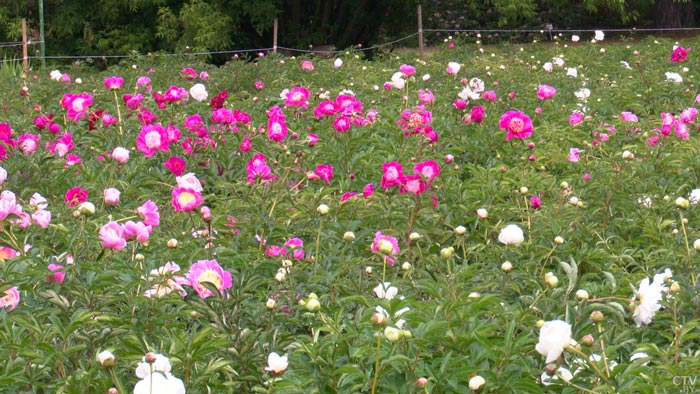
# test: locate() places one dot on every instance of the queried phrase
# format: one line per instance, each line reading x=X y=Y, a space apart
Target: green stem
x=376 y=362
x=116 y=381
x=119 y=112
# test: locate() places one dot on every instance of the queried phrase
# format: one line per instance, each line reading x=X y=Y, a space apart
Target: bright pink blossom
x=392 y=174
x=429 y=169
x=138 y=230
x=114 y=83
x=75 y=196
x=324 y=172
x=516 y=124
x=629 y=117
x=545 y=91
x=148 y=212
x=176 y=165
x=412 y=184
x=407 y=70
x=575 y=118
x=185 y=199
x=208 y=272
x=57 y=275
x=151 y=139
x=112 y=236
x=11 y=298
x=297 y=97
x=679 y=54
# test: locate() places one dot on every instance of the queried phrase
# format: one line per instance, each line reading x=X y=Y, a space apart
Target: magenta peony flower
x=208 y=271
x=412 y=184
x=137 y=230
x=324 y=172
x=176 y=165
x=545 y=91
x=679 y=54
x=114 y=83
x=7 y=253
x=392 y=174
x=385 y=244
x=297 y=97
x=151 y=139
x=57 y=274
x=516 y=124
x=575 y=118
x=75 y=196
x=429 y=169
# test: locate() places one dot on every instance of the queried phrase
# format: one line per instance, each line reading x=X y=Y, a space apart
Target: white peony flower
x=599 y=35
x=674 y=77
x=548 y=67
x=558 y=61
x=453 y=68
x=161 y=364
x=385 y=291
x=467 y=94
x=276 y=363
x=511 y=235
x=338 y=63
x=189 y=180
x=56 y=75
x=649 y=296
x=562 y=372
x=583 y=94
x=555 y=335
x=397 y=80
x=199 y=92
x=106 y=358
x=160 y=383
x=477 y=85
x=572 y=72
x=476 y=382
x=575 y=38
x=694 y=196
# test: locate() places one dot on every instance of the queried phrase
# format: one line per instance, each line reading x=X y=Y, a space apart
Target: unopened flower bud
x=682 y=202
x=460 y=230
x=385 y=246
x=587 y=340
x=322 y=209
x=506 y=266
x=150 y=357
x=627 y=155
x=597 y=317
x=112 y=390
x=482 y=213
x=421 y=382
x=106 y=358
x=349 y=236
x=312 y=305
x=446 y=253
x=564 y=185
x=675 y=288
x=558 y=240
x=206 y=213
x=523 y=190
x=139 y=257
x=280 y=277
x=476 y=382
x=551 y=368
x=378 y=319
x=573 y=200
x=270 y=304
x=406 y=333
x=414 y=236
x=582 y=294
x=172 y=243
x=539 y=323
x=406 y=266
x=87 y=208
x=552 y=281
x=368 y=270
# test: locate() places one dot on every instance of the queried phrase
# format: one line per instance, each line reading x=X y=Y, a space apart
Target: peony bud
x=482 y=213
x=523 y=190
x=476 y=382
x=421 y=382
x=506 y=266
x=322 y=209
x=87 y=208
x=406 y=266
x=106 y=358
x=446 y=253
x=597 y=316
x=312 y=305
x=368 y=270
x=587 y=340
x=150 y=357
x=682 y=202
x=172 y=243
x=378 y=319
x=385 y=246
x=414 y=236
x=349 y=236
x=558 y=240
x=675 y=288
x=627 y=155
x=270 y=304
x=582 y=294
x=552 y=280
x=460 y=230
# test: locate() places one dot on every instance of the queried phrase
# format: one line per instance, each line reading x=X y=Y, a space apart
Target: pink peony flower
x=368 y=190
x=57 y=274
x=297 y=97
x=628 y=117
x=112 y=236
x=138 y=230
x=151 y=139
x=429 y=169
x=324 y=172
x=210 y=272
x=120 y=154
x=11 y=298
x=385 y=244
x=545 y=91
x=148 y=212
x=575 y=118
x=114 y=83
x=7 y=253
x=392 y=174
x=407 y=70
x=185 y=199
x=574 y=155
x=41 y=218
x=516 y=124
x=306 y=65
x=477 y=114
x=412 y=184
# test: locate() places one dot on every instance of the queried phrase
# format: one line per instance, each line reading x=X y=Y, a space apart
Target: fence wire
x=262 y=51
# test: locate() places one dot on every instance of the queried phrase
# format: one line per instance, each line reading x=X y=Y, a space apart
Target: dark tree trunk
x=673 y=14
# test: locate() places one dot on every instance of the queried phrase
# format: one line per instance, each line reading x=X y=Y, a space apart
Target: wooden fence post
x=420 y=33
x=274 y=36
x=25 y=65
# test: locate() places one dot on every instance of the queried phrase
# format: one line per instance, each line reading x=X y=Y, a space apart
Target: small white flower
x=385 y=291
x=276 y=363
x=338 y=63
x=476 y=382
x=397 y=80
x=694 y=196
x=56 y=75
x=575 y=38
x=548 y=67
x=572 y=72
x=625 y=64
x=426 y=77
x=583 y=94
x=453 y=68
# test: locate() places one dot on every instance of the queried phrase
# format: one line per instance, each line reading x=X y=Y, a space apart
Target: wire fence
x=262 y=51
